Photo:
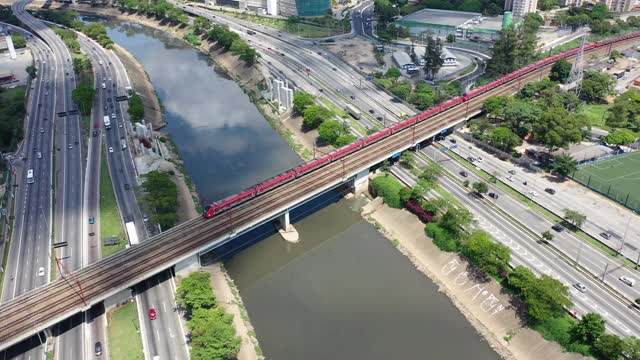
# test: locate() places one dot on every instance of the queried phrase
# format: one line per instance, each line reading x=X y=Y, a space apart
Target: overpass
x=41 y=308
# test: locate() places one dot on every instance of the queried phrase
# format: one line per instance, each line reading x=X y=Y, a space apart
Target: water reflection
x=224 y=141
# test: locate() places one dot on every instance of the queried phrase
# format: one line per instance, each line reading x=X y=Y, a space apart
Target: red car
x=152 y=314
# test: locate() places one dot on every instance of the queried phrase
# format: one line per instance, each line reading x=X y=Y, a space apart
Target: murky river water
x=343 y=292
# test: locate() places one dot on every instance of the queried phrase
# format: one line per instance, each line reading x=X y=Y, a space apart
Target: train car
x=276 y=181
x=451 y=103
x=229 y=202
x=346 y=150
x=377 y=136
x=313 y=165
x=399 y=126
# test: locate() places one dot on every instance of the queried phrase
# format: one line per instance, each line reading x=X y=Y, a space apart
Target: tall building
x=619 y=5
x=520 y=8
x=304 y=7
x=576 y=3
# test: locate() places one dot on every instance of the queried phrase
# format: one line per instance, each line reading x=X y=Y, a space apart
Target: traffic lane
x=526 y=251
x=574 y=199
x=590 y=258
x=623 y=318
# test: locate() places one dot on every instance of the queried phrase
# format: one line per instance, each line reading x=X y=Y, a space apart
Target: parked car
x=627 y=280
x=557 y=227
x=605 y=235
x=464 y=174
x=493 y=195
x=152 y=314
x=550 y=191
x=580 y=287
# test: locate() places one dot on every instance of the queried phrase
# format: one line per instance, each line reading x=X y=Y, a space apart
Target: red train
x=225 y=204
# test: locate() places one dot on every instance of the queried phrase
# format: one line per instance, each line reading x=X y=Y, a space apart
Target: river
x=344 y=291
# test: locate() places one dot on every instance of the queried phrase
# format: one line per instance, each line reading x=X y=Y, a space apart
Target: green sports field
x=619 y=178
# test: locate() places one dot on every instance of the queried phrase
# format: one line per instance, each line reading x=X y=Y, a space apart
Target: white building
x=403 y=60
x=520 y=8
x=447 y=56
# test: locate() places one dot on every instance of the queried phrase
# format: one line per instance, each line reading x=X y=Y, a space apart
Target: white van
x=104 y=86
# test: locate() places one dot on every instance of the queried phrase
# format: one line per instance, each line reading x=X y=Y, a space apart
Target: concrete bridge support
x=190 y=264
x=361 y=182
x=119 y=298
x=286 y=230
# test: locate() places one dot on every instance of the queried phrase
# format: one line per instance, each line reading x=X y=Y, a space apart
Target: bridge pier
x=190 y=264
x=361 y=182
x=286 y=230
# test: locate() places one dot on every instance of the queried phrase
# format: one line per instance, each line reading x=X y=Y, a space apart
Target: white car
x=511 y=178
x=110 y=149
x=70 y=146
x=41 y=271
x=580 y=287
x=533 y=193
x=479 y=159
x=109 y=79
x=627 y=280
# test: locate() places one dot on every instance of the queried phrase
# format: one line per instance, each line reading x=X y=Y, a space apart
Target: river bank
x=492 y=311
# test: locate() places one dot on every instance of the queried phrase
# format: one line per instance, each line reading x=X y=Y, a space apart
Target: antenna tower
x=577 y=69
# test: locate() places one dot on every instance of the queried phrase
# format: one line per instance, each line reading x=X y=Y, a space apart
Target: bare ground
x=308 y=139
x=493 y=312
x=356 y=51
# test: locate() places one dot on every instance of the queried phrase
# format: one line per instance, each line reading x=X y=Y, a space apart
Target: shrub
x=557 y=329
x=442 y=238
x=416 y=209
x=389 y=188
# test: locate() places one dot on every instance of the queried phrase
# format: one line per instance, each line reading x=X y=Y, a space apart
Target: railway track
x=45 y=306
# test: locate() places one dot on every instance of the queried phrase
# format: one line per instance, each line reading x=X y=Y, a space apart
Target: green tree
x=433 y=60
x=556 y=127
x=407 y=159
x=564 y=165
x=560 y=71
x=330 y=130
x=344 y=139
x=625 y=112
x=480 y=187
x=609 y=347
x=455 y=219
x=401 y=89
x=545 y=5
x=574 y=217
x=393 y=73
x=495 y=105
x=545 y=298
x=213 y=335
x=195 y=292
x=620 y=137
x=615 y=55
x=249 y=55
x=451 y=38
x=161 y=196
x=596 y=86
x=201 y=25
x=503 y=138
x=632 y=347
x=419 y=191
x=302 y=100
x=431 y=172
x=589 y=329
x=19 y=41
x=515 y=47
x=547 y=236
x=489 y=256
x=314 y=115
x=32 y=71
x=424 y=96
x=136 y=108
x=83 y=95
x=521 y=279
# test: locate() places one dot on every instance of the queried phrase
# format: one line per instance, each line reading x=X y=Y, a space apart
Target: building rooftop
x=402 y=58
x=441 y=17
x=420 y=50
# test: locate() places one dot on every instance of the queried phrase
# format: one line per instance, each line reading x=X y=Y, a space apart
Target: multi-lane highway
x=329 y=76
x=60 y=299
x=28 y=261
x=509 y=227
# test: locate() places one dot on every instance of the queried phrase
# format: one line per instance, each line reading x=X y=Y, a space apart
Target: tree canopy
x=564 y=165
x=314 y=115
x=161 y=195
x=560 y=71
x=574 y=217
x=596 y=86
x=625 y=111
x=620 y=137
x=491 y=257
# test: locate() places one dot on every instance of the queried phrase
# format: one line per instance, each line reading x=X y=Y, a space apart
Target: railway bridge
x=40 y=309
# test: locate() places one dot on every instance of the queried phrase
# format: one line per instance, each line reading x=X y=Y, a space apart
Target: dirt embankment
x=493 y=312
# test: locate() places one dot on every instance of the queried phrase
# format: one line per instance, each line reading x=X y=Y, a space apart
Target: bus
x=30 y=179
x=131 y=232
x=107 y=123
x=353 y=111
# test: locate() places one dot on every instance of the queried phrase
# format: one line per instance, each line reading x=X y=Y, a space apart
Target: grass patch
x=343 y=114
x=595 y=114
x=110 y=224
x=124 y=333
x=299 y=29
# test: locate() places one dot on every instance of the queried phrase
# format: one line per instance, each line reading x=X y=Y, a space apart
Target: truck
x=131 y=233
x=353 y=111
x=107 y=122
